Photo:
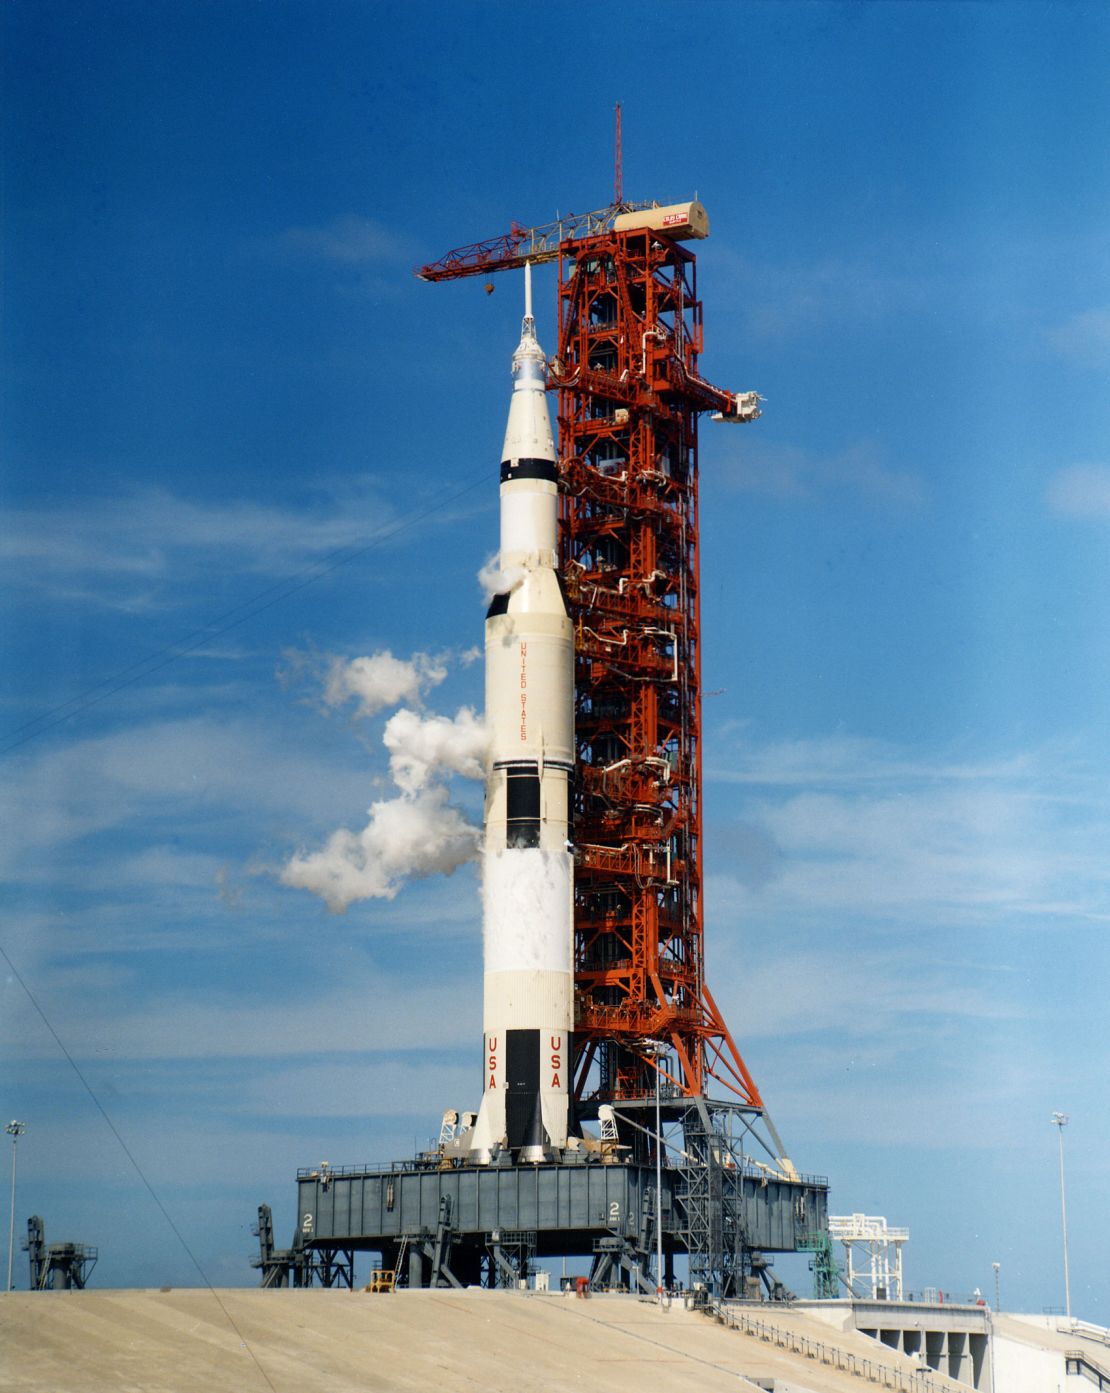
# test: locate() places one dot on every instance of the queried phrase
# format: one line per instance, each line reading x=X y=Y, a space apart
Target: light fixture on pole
x=655 y=1050
x=14 y=1130
x=997 y=1298
x=1061 y=1121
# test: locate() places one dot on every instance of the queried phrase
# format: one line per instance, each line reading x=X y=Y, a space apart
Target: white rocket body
x=527 y=868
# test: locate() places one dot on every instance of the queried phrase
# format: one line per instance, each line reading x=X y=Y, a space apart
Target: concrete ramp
x=1035 y=1352
x=317 y=1341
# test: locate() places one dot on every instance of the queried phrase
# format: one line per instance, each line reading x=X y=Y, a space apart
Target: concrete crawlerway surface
x=317 y=1341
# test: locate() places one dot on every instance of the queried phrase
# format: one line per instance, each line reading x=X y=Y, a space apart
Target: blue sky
x=219 y=372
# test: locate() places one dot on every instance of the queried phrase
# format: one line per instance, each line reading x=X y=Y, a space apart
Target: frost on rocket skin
x=408 y=837
x=526 y=907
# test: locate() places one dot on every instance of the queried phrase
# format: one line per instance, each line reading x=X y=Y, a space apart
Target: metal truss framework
x=300 y=1265
x=56 y=1266
x=630 y=331
x=879 y=1276
x=443 y=1223
x=520 y=244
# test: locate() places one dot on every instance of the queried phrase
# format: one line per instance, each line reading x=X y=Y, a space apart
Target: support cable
x=138 y=1169
x=238 y=614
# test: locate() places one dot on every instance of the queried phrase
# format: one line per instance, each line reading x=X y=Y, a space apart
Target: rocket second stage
x=527 y=868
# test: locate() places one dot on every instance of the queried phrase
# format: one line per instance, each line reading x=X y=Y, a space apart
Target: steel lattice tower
x=630 y=331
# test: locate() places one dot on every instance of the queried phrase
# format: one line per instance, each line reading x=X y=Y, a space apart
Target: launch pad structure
x=56 y=1266
x=710 y=1179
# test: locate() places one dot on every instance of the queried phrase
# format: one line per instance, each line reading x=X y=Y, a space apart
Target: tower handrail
x=874 y=1371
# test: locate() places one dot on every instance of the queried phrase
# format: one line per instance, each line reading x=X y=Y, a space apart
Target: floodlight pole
x=1061 y=1121
x=14 y=1130
x=658 y=1191
x=656 y=1049
x=997 y=1288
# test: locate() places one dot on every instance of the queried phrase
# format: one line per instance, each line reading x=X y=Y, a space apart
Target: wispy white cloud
x=792 y=474
x=843 y=759
x=392 y=1085
x=373 y=1009
x=1084 y=338
x=1081 y=491
x=188 y=773
x=873 y=906
x=870 y=834
x=368 y=257
x=125 y=552
x=868 y=1105
x=348 y=240
x=782 y=301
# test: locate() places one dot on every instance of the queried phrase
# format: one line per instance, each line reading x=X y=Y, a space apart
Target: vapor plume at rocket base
x=527 y=867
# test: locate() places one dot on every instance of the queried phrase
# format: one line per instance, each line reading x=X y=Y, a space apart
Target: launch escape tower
x=647 y=1031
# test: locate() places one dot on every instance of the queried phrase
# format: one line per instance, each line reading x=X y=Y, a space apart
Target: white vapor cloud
x=381 y=680
x=419 y=832
x=419 y=746
x=409 y=837
x=497 y=581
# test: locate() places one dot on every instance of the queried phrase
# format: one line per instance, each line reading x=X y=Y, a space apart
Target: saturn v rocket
x=527 y=866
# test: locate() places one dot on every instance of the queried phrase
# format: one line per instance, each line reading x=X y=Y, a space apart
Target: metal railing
x=1079 y=1362
x=330 y=1173
x=873 y=1370
x=430 y=1161
x=1086 y=1330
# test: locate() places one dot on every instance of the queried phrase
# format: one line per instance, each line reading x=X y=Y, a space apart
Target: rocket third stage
x=527 y=867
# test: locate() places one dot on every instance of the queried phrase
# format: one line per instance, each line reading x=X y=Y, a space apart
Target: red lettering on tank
x=523 y=690
x=555 y=1081
x=492 y=1082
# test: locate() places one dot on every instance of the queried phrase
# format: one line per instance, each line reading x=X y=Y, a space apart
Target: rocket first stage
x=527 y=867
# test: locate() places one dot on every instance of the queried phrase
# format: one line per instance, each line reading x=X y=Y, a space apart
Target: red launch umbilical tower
x=630 y=394
x=630 y=331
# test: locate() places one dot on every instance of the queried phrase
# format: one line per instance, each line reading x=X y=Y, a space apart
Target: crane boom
x=520 y=244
